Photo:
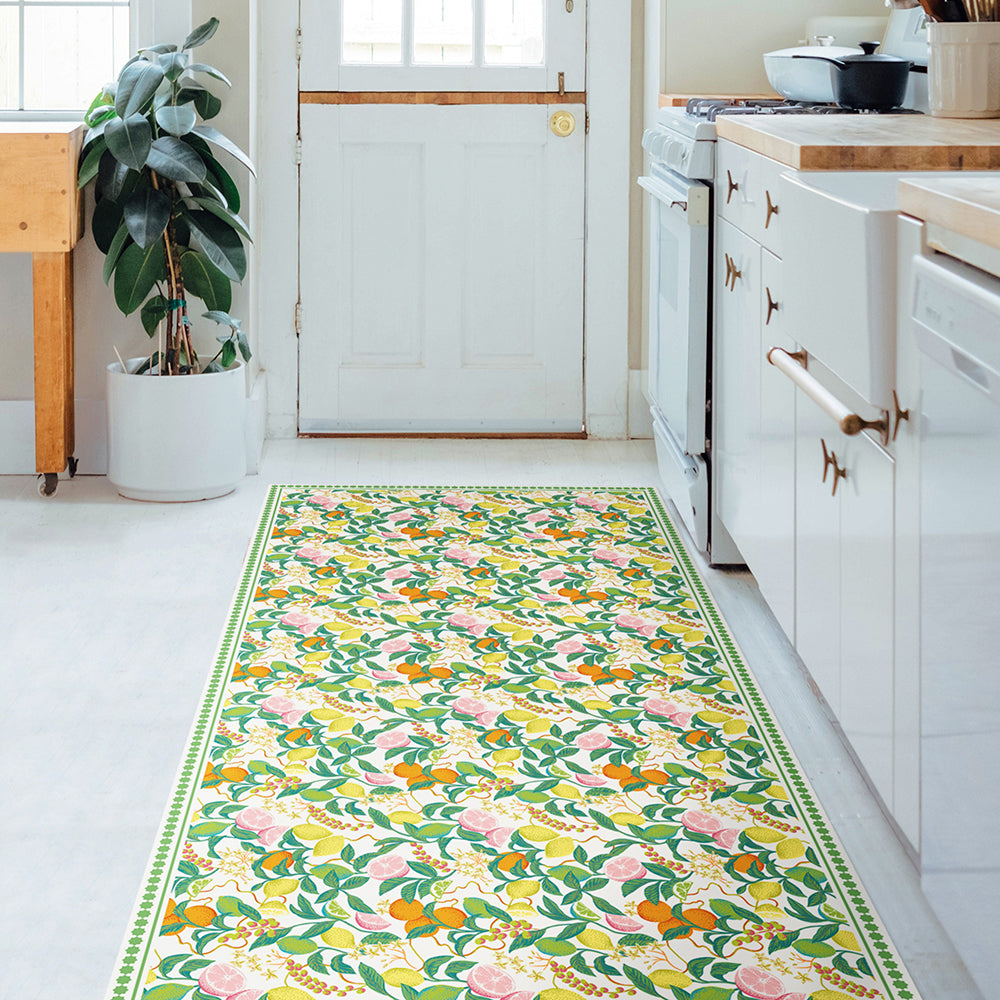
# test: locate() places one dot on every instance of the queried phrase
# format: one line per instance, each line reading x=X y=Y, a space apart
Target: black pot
x=867 y=82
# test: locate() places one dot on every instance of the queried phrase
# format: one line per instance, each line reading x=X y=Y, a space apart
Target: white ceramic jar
x=964 y=69
x=175 y=437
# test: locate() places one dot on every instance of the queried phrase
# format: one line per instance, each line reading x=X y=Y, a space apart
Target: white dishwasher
x=955 y=330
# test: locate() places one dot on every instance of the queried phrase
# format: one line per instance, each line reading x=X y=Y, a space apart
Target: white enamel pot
x=175 y=437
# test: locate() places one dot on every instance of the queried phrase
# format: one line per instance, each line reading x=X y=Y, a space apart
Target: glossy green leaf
x=118 y=244
x=147 y=213
x=215 y=137
x=176 y=160
x=205 y=281
x=814 y=949
x=244 y=345
x=137 y=271
x=160 y=48
x=372 y=978
x=221 y=212
x=221 y=179
x=177 y=119
x=136 y=86
x=105 y=222
x=211 y=71
x=173 y=64
x=153 y=313
x=207 y=103
x=201 y=34
x=90 y=165
x=220 y=243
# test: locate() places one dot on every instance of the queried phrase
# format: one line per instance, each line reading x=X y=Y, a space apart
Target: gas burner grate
x=709 y=108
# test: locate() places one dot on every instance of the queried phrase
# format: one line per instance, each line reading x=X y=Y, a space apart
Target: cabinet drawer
x=746 y=190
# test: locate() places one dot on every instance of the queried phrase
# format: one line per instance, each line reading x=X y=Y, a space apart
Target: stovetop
x=697 y=119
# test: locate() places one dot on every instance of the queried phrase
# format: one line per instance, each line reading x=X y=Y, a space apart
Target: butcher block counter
x=867 y=142
x=969 y=206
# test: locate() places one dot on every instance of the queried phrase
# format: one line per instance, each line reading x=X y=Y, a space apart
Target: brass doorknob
x=562 y=123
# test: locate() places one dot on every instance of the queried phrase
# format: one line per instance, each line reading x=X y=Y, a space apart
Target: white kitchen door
x=441 y=244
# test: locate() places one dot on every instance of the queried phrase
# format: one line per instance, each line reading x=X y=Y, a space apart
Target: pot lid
x=868 y=55
x=825 y=51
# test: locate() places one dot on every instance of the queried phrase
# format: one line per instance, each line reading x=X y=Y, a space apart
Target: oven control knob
x=647 y=139
x=675 y=154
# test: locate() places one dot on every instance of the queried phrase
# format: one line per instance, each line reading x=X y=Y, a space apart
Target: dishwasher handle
x=975 y=371
x=850 y=423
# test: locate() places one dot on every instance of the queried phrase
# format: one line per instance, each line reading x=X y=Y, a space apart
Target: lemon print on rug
x=490 y=744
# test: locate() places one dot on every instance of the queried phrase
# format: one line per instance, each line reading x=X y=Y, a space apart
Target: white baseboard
x=17 y=434
x=640 y=422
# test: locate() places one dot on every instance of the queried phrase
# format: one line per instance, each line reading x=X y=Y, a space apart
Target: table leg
x=53 y=299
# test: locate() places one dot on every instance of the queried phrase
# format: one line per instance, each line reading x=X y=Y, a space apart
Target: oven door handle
x=690 y=199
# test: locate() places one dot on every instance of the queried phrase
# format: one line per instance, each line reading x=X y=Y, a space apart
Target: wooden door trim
x=440 y=97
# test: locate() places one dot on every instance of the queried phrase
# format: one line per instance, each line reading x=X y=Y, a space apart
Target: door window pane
x=514 y=32
x=373 y=31
x=70 y=52
x=442 y=31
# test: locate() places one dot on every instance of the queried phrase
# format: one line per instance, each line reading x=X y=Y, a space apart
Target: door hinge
x=298 y=318
x=586 y=123
x=298 y=44
x=298 y=149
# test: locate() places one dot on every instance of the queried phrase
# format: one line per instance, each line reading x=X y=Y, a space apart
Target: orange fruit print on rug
x=490 y=744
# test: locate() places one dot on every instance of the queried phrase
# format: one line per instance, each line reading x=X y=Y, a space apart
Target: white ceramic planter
x=964 y=69
x=175 y=438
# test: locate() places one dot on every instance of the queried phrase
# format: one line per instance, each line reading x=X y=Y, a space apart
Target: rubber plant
x=166 y=211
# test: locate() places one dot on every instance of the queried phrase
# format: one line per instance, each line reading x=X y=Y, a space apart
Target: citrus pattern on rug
x=493 y=744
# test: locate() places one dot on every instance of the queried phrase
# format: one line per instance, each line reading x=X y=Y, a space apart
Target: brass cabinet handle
x=772 y=209
x=733 y=186
x=830 y=459
x=732 y=273
x=772 y=307
x=900 y=416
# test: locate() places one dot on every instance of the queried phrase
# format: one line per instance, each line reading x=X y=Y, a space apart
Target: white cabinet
x=736 y=387
x=775 y=556
x=844 y=583
x=753 y=443
x=824 y=562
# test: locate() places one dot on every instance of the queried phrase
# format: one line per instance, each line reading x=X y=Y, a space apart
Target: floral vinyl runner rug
x=490 y=744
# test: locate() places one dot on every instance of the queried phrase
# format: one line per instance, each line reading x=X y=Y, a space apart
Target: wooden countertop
x=969 y=206
x=868 y=142
x=40 y=207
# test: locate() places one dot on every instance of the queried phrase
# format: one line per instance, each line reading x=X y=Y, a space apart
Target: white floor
x=110 y=614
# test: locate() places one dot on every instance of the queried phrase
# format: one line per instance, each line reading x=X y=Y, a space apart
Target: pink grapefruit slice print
x=624 y=924
x=391 y=866
x=489 y=981
x=370 y=921
x=621 y=869
x=761 y=985
x=477 y=821
x=221 y=980
x=701 y=822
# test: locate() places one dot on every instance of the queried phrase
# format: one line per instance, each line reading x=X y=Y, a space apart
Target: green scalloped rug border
x=147 y=913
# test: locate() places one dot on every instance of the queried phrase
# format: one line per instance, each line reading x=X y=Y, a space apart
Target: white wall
x=715 y=46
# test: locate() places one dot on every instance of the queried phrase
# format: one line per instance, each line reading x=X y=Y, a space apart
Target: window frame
x=141 y=14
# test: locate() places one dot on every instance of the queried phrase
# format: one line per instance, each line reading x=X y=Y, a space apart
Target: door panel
x=441 y=270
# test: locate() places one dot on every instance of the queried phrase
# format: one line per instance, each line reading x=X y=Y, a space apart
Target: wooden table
x=41 y=213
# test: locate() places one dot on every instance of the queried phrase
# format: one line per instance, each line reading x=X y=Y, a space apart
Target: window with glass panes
x=443 y=32
x=56 y=55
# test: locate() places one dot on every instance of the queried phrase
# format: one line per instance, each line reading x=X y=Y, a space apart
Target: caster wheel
x=72 y=466
x=47 y=483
